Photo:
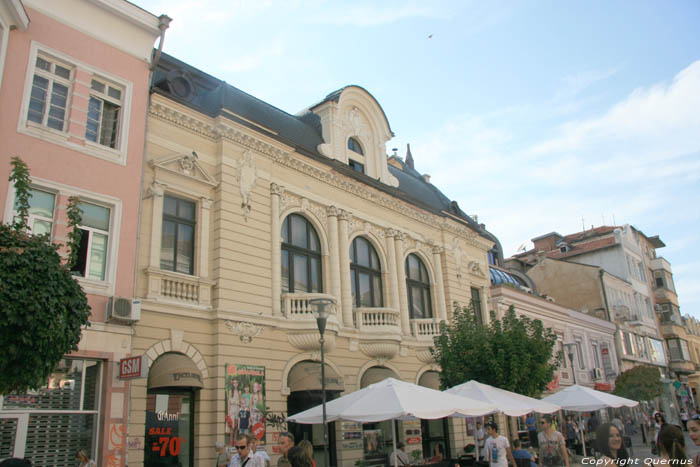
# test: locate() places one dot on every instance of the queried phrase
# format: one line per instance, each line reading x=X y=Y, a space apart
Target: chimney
x=426 y=177
x=409 y=157
x=395 y=152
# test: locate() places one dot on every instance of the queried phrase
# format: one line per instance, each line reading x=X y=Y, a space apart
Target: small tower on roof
x=409 y=157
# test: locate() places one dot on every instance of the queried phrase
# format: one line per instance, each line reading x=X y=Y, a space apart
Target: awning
x=430 y=379
x=306 y=376
x=375 y=375
x=174 y=370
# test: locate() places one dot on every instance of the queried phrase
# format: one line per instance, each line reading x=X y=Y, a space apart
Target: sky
x=535 y=116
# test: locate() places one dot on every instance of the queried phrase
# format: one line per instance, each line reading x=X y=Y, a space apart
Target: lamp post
x=321 y=313
x=570 y=348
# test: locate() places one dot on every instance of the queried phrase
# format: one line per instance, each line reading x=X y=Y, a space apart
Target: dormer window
x=355 y=146
x=357 y=166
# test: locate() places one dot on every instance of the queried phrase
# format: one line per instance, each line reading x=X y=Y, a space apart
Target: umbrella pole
x=393 y=437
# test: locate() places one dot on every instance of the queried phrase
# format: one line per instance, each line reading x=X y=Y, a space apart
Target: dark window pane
x=167 y=246
x=185 y=248
x=81 y=261
x=110 y=125
x=185 y=210
x=353 y=289
x=365 y=295
x=170 y=206
x=62 y=72
x=362 y=252
x=375 y=260
x=299 y=232
x=413 y=267
x=285 y=230
x=300 y=274
x=427 y=307
x=313 y=238
x=377 y=286
x=417 y=310
x=315 y=275
x=285 y=271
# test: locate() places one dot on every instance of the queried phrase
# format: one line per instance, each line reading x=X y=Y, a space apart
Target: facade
x=249 y=214
x=692 y=326
x=591 y=340
x=74 y=102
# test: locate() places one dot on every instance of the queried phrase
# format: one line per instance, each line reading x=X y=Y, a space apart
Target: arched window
x=418 y=287
x=301 y=256
x=366 y=274
x=355 y=146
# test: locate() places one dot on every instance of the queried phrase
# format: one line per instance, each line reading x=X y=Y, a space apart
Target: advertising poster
x=245 y=401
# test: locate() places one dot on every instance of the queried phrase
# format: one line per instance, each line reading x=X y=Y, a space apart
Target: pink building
x=74 y=79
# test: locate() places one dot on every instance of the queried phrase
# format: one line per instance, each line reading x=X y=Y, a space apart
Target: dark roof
x=193 y=88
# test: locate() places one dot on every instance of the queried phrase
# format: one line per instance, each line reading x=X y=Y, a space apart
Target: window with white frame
x=93 y=252
x=49 y=98
x=41 y=211
x=596 y=355
x=579 y=355
x=628 y=346
x=104 y=113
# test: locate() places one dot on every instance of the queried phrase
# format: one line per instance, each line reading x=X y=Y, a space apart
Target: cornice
x=220 y=129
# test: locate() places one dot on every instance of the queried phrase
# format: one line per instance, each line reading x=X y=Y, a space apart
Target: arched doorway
x=377 y=437
x=173 y=380
x=304 y=383
x=435 y=433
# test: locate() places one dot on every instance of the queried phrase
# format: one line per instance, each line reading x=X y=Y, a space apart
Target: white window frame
x=105 y=287
x=91 y=231
x=579 y=353
x=105 y=97
x=63 y=138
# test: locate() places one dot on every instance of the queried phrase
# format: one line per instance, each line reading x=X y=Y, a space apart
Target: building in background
x=74 y=92
x=692 y=326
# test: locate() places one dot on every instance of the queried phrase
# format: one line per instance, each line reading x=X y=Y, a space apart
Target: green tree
x=42 y=307
x=640 y=383
x=514 y=353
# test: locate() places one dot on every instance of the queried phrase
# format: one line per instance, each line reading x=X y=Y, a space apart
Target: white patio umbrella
x=393 y=399
x=510 y=403
x=582 y=399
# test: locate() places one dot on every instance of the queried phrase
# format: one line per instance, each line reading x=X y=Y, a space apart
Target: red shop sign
x=133 y=367
x=413 y=440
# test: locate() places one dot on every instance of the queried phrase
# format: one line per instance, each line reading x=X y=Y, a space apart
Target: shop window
x=418 y=288
x=301 y=256
x=177 y=242
x=366 y=274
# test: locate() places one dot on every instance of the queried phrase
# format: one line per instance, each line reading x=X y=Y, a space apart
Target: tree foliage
x=514 y=353
x=42 y=307
x=640 y=383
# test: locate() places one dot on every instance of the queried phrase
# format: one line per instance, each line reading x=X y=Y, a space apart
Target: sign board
x=133 y=367
x=604 y=387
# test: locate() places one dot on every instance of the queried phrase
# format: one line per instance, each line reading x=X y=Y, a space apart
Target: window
x=628 y=346
x=301 y=256
x=366 y=274
x=92 y=254
x=659 y=279
x=579 y=355
x=418 y=288
x=476 y=304
x=357 y=166
x=642 y=274
x=51 y=85
x=177 y=242
x=678 y=349
x=596 y=355
x=658 y=354
x=104 y=110
x=41 y=212
x=355 y=146
x=641 y=346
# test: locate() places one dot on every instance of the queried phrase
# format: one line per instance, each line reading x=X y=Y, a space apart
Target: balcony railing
x=425 y=329
x=378 y=320
x=176 y=287
x=297 y=306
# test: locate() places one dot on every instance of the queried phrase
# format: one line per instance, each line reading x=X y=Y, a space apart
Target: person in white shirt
x=259 y=452
x=497 y=448
x=243 y=456
x=401 y=456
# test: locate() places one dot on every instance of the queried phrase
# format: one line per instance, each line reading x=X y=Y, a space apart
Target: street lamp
x=570 y=348
x=321 y=307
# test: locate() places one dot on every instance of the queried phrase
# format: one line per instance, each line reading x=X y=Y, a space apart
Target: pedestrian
x=84 y=457
x=298 y=457
x=286 y=443
x=694 y=433
x=593 y=423
x=571 y=431
x=519 y=453
x=308 y=449
x=480 y=435
x=401 y=456
x=684 y=419
x=608 y=440
x=497 y=448
x=659 y=422
x=531 y=429
x=552 y=445
x=258 y=451
x=222 y=457
x=243 y=456
x=671 y=445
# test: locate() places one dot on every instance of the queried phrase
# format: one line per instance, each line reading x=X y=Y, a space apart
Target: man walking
x=480 y=435
x=552 y=445
x=243 y=456
x=286 y=443
x=497 y=448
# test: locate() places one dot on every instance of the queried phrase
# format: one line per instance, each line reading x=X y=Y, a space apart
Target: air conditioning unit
x=123 y=309
x=597 y=373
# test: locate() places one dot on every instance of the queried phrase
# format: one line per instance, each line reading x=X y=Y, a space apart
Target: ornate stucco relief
x=247 y=175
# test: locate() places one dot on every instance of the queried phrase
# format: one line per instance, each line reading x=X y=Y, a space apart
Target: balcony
x=682 y=366
x=661 y=264
x=303 y=334
x=671 y=325
x=380 y=332
x=662 y=294
x=425 y=329
x=173 y=287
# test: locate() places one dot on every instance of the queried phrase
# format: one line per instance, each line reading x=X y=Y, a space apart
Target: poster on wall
x=245 y=401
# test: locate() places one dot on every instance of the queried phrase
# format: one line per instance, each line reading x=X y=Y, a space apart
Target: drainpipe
x=163 y=24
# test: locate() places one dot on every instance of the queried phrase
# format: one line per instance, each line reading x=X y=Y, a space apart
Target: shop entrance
x=170 y=411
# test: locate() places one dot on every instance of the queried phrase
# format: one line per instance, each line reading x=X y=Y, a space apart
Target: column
x=401 y=279
x=345 y=293
x=334 y=262
x=439 y=285
x=203 y=233
x=276 y=238
x=156 y=191
x=391 y=275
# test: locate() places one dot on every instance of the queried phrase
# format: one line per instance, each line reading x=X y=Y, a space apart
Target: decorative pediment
x=185 y=165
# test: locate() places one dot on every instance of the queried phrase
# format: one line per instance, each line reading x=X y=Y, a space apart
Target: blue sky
x=537 y=116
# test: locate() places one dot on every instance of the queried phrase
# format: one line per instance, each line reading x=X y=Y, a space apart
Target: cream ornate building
x=248 y=213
